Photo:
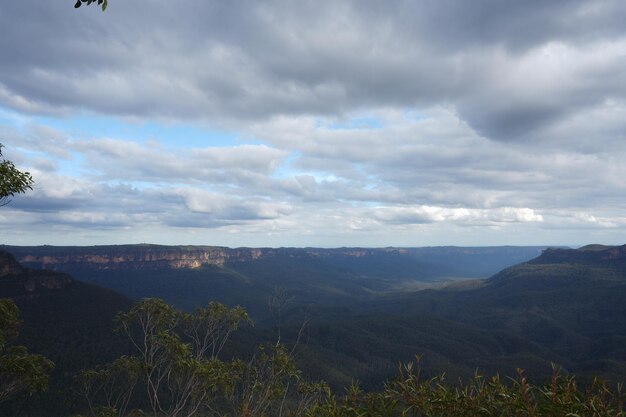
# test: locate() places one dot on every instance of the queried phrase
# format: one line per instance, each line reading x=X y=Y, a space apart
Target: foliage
x=409 y=395
x=271 y=385
x=102 y=3
x=570 y=313
x=176 y=369
x=20 y=372
x=177 y=372
x=176 y=363
x=12 y=180
x=71 y=326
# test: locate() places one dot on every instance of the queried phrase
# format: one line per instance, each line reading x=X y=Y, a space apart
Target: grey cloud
x=435 y=160
x=123 y=206
x=236 y=61
x=427 y=162
x=118 y=159
x=517 y=26
x=486 y=112
x=230 y=207
x=43 y=204
x=90 y=219
x=543 y=87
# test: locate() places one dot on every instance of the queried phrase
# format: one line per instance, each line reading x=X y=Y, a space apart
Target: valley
x=190 y=276
x=363 y=310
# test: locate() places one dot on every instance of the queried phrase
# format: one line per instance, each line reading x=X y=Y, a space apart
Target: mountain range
x=189 y=276
x=564 y=307
x=461 y=309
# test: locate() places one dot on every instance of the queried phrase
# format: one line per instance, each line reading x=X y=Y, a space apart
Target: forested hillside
x=564 y=307
x=190 y=276
x=67 y=321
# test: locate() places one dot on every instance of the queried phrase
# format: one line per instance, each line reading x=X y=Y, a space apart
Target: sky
x=315 y=123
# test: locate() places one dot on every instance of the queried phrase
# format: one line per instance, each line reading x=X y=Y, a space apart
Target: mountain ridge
x=64 y=319
x=193 y=257
x=16 y=280
x=190 y=276
x=585 y=254
x=565 y=306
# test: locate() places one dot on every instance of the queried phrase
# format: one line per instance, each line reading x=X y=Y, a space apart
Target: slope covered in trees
x=67 y=321
x=190 y=276
x=564 y=307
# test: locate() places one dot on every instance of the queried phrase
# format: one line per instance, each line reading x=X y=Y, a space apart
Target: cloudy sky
x=316 y=123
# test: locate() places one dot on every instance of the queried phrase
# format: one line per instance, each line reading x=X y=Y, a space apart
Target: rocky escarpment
x=156 y=257
x=15 y=280
x=587 y=255
x=9 y=266
x=145 y=257
x=140 y=257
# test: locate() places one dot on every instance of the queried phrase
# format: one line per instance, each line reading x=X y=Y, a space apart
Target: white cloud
x=354 y=122
x=466 y=216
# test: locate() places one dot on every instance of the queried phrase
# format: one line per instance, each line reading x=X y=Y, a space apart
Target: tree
x=176 y=370
x=12 y=180
x=20 y=371
x=102 y=3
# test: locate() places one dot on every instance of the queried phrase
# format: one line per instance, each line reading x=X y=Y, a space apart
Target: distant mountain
x=363 y=314
x=605 y=256
x=594 y=247
x=424 y=262
x=17 y=281
x=188 y=276
x=565 y=306
x=68 y=321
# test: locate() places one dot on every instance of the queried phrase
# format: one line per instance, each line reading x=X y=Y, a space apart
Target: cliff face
x=615 y=253
x=612 y=255
x=9 y=266
x=15 y=280
x=144 y=257
x=157 y=257
x=135 y=257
